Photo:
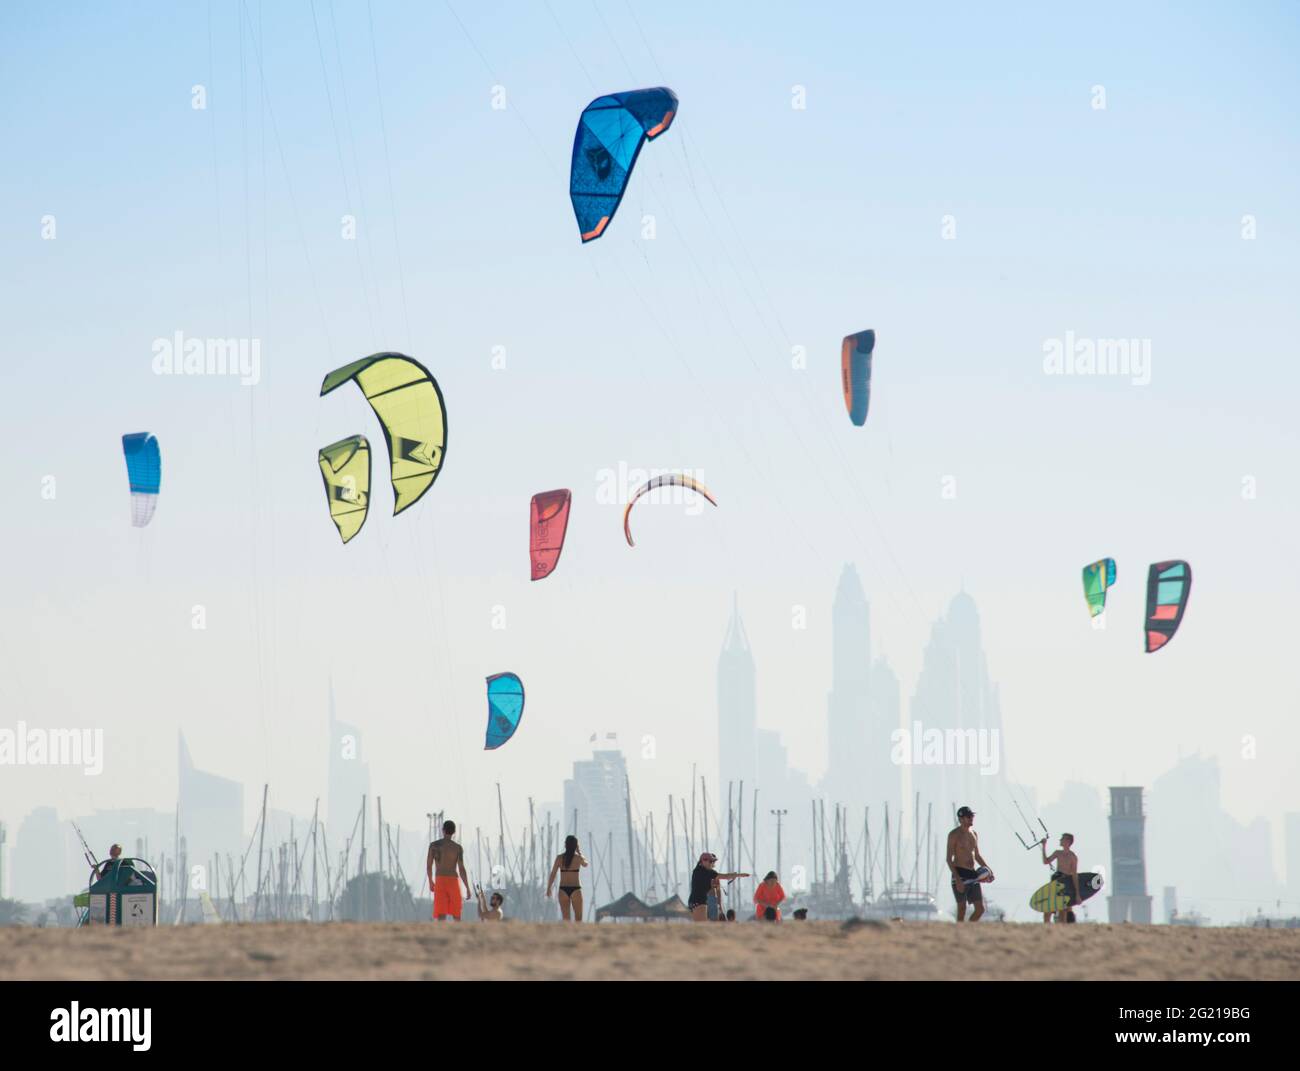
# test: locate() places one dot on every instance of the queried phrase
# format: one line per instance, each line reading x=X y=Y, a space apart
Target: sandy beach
x=534 y=951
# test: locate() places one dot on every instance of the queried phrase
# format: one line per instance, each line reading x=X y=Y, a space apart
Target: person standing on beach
x=962 y=856
x=705 y=881
x=449 y=859
x=568 y=865
x=1066 y=872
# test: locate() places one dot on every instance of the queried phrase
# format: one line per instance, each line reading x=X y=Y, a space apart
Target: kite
x=409 y=405
x=671 y=479
x=548 y=521
x=611 y=131
x=855 y=371
x=1168 y=585
x=345 y=467
x=505 y=693
x=144 y=471
x=1098 y=578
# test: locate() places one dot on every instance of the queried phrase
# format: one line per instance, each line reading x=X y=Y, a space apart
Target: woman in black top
x=706 y=880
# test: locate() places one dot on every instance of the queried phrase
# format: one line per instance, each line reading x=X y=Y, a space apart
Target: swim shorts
x=1069 y=883
x=446 y=896
x=963 y=892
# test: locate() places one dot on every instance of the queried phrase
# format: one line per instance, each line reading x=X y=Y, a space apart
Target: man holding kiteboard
x=962 y=855
x=1066 y=872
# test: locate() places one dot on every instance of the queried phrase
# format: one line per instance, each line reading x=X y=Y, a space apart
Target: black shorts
x=1071 y=884
x=966 y=893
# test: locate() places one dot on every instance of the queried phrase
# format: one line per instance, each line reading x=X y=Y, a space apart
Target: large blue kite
x=144 y=471
x=505 y=693
x=610 y=134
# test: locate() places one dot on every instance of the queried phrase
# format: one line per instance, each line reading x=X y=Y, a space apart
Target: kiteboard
x=1050 y=898
x=1053 y=897
x=1089 y=883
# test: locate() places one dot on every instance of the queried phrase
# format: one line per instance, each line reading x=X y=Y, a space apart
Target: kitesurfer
x=489 y=911
x=114 y=853
x=705 y=880
x=568 y=865
x=449 y=858
x=1066 y=872
x=962 y=856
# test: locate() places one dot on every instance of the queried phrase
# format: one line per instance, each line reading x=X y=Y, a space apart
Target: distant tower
x=349 y=776
x=737 y=717
x=1128 y=901
x=848 y=704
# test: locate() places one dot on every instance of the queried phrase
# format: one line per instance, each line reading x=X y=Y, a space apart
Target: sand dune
x=814 y=950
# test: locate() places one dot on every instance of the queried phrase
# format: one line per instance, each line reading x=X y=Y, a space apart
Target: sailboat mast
x=753 y=843
x=672 y=846
x=704 y=801
x=501 y=827
x=814 y=839
x=532 y=845
x=261 y=841
x=631 y=840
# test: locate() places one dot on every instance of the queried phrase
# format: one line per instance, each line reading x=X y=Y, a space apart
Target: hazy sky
x=952 y=182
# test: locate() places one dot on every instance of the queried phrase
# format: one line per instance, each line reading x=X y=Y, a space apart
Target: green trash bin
x=126 y=894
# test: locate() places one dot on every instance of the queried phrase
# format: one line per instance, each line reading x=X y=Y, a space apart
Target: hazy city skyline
x=1228 y=875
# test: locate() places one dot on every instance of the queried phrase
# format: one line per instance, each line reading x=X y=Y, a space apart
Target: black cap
x=964 y=812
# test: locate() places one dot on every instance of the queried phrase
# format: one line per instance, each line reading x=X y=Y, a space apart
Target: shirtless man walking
x=1066 y=872
x=449 y=858
x=962 y=855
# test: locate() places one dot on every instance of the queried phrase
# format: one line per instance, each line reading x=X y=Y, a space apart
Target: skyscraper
x=955 y=714
x=862 y=708
x=41 y=858
x=884 y=776
x=847 y=703
x=737 y=707
x=1184 y=805
x=349 y=778
x=595 y=798
x=211 y=809
x=754 y=760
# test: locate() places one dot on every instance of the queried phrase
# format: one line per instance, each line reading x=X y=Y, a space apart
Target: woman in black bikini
x=568 y=865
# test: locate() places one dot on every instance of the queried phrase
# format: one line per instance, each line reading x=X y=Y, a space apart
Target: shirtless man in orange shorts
x=449 y=858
